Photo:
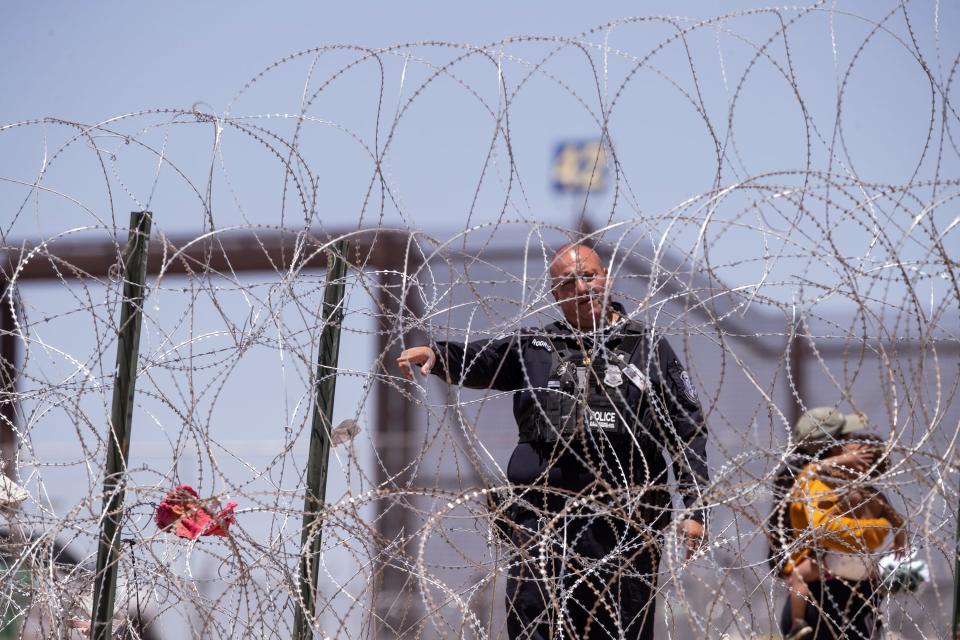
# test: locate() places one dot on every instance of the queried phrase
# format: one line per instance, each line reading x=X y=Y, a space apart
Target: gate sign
x=579 y=167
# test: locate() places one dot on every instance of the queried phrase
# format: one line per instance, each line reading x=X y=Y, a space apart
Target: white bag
x=851 y=566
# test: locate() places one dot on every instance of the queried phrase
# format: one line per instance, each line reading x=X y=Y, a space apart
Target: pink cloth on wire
x=184 y=514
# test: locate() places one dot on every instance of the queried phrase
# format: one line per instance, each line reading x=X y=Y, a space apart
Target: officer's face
x=579 y=286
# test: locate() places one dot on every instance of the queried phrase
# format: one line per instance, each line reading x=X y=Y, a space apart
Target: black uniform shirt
x=671 y=423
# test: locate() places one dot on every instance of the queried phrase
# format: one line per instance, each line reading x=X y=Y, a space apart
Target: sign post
x=325 y=384
x=121 y=421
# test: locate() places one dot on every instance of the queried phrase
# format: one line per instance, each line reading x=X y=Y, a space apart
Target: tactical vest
x=596 y=394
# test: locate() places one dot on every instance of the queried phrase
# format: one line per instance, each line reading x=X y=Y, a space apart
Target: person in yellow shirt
x=813 y=437
x=841 y=522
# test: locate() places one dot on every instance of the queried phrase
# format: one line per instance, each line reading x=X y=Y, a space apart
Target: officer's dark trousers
x=581 y=578
x=841 y=609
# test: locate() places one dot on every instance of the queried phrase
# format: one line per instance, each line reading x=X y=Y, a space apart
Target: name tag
x=542 y=344
x=636 y=377
x=606 y=420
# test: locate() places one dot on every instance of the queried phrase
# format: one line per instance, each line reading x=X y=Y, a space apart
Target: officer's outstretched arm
x=482 y=364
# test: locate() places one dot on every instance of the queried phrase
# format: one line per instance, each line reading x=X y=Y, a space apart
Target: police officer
x=598 y=399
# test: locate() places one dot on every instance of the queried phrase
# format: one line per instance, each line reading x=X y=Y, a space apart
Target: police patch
x=682 y=385
x=600 y=419
x=687 y=387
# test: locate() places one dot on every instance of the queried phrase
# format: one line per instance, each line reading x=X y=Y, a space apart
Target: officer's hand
x=423 y=357
x=693 y=534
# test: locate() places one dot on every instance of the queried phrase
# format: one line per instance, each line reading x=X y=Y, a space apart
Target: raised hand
x=694 y=535
x=423 y=357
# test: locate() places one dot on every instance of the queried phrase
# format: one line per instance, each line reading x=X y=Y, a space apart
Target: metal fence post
x=121 y=418
x=319 y=456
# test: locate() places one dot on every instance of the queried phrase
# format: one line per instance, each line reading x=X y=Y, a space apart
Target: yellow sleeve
x=814 y=514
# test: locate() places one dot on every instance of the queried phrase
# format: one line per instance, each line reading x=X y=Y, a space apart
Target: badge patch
x=613 y=377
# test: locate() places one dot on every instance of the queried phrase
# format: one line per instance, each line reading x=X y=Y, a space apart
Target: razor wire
x=784 y=264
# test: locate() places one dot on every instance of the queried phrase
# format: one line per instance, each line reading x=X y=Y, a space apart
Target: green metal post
x=319 y=456
x=121 y=418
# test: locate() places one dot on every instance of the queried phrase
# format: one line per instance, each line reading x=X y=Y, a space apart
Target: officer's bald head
x=573 y=252
x=579 y=285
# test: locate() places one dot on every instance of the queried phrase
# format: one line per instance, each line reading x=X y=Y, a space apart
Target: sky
x=113 y=57
x=449 y=163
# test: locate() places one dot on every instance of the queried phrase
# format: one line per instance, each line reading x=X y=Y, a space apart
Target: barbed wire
x=793 y=267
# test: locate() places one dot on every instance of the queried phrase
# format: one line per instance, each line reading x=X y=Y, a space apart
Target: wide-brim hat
x=826 y=423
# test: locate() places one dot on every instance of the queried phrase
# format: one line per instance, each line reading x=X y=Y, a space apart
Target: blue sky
x=447 y=163
x=91 y=62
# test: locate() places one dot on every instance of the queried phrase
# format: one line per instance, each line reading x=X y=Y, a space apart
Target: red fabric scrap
x=182 y=513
